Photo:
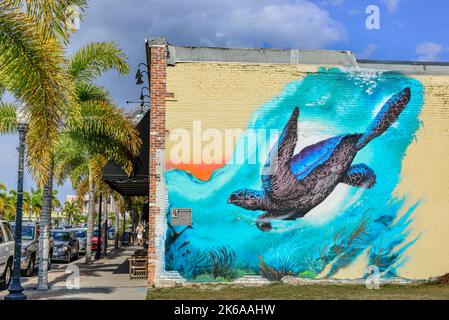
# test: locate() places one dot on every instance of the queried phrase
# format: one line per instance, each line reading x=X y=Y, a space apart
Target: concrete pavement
x=106 y=279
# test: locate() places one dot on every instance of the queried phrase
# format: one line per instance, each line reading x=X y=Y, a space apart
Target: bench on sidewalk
x=138 y=265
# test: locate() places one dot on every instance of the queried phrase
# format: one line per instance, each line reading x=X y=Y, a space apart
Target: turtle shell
x=312 y=156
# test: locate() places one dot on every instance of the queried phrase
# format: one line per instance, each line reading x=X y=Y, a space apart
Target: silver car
x=30 y=247
x=6 y=254
x=81 y=235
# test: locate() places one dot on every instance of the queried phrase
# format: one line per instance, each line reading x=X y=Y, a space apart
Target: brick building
x=207 y=107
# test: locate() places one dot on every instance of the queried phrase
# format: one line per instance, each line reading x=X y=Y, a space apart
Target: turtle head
x=246 y=199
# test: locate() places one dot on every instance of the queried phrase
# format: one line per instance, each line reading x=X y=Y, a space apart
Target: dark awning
x=137 y=184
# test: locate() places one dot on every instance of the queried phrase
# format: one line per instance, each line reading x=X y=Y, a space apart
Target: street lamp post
x=15 y=289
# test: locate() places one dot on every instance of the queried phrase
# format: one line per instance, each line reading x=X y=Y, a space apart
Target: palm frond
x=70 y=160
x=93 y=59
x=55 y=18
x=8 y=118
x=32 y=68
x=91 y=92
x=101 y=119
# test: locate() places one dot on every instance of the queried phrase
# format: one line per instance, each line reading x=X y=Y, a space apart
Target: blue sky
x=409 y=30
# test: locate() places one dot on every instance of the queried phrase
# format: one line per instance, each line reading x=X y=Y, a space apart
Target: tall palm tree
x=84 y=66
x=81 y=160
x=32 y=38
x=103 y=132
x=32 y=68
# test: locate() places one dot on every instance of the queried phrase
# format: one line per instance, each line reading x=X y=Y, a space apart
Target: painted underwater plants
x=216 y=264
x=346 y=246
x=295 y=184
x=385 y=238
x=222 y=261
x=271 y=273
x=386 y=248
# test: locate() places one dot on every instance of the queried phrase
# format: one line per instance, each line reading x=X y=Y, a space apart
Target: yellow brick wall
x=224 y=95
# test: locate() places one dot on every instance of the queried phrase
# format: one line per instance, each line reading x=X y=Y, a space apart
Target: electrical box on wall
x=181 y=217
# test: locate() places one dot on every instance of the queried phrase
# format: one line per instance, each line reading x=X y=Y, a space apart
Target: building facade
x=311 y=164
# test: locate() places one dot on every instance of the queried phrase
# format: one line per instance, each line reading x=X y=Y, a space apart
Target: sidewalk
x=106 y=279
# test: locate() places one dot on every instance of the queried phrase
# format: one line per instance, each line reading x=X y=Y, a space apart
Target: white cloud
x=430 y=51
x=392 y=5
x=250 y=23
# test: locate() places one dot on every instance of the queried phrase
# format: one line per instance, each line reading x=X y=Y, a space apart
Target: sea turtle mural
x=295 y=184
x=346 y=186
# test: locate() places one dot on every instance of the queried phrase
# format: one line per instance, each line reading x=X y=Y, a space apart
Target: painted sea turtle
x=295 y=184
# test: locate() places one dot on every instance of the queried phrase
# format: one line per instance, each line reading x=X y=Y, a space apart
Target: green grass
x=289 y=292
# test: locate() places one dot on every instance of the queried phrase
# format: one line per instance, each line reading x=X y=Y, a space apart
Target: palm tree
x=100 y=121
x=10 y=205
x=103 y=132
x=31 y=57
x=70 y=208
x=36 y=202
x=81 y=160
x=32 y=38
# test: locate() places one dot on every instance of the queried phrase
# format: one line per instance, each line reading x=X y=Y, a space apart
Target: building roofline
x=341 y=58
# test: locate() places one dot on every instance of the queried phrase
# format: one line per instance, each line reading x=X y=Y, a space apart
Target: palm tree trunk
x=44 y=238
x=90 y=219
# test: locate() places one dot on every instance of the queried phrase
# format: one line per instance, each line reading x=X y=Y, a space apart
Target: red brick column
x=157 y=57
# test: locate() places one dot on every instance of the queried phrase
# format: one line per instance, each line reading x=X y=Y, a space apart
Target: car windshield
x=80 y=234
x=61 y=236
x=27 y=232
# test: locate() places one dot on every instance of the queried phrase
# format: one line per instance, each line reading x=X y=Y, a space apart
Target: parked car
x=30 y=247
x=81 y=235
x=66 y=245
x=6 y=254
x=95 y=240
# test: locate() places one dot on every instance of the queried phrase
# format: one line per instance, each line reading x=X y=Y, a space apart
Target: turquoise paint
x=332 y=102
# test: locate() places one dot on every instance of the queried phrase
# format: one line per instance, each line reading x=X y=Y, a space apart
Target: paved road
x=106 y=279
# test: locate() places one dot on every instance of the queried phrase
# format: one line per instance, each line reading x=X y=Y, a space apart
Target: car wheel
x=77 y=255
x=68 y=257
x=5 y=279
x=31 y=264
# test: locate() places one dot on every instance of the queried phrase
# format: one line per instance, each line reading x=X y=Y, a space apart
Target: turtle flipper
x=386 y=116
x=277 y=172
x=263 y=222
x=359 y=175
